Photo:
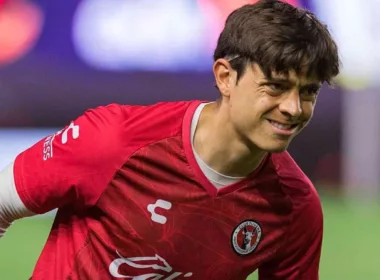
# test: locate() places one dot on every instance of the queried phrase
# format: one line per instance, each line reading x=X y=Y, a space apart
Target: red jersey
x=133 y=204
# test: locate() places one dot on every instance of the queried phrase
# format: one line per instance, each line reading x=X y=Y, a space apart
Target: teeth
x=281 y=126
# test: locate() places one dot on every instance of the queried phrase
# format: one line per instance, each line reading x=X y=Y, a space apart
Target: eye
x=277 y=88
x=309 y=93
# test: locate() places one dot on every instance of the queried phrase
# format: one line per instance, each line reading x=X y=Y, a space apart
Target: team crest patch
x=245 y=237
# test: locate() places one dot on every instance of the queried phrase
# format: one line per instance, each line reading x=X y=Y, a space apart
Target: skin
x=235 y=133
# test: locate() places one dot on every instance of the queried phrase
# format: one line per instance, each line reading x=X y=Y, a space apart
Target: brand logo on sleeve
x=72 y=130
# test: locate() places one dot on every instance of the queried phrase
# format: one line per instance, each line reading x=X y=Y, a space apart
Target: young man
x=189 y=190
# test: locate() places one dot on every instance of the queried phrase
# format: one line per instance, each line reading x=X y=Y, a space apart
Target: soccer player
x=189 y=190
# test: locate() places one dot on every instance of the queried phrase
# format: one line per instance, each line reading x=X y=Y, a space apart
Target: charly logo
x=245 y=237
x=48 y=143
x=161 y=270
x=159 y=204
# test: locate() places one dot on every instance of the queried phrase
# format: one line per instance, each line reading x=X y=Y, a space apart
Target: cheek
x=307 y=114
x=249 y=105
x=243 y=112
x=241 y=102
x=308 y=110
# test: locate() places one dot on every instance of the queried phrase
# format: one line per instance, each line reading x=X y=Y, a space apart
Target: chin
x=274 y=147
x=269 y=144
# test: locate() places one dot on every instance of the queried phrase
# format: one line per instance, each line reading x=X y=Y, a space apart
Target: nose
x=291 y=105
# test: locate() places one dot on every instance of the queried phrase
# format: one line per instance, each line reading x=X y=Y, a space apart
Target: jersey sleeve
x=300 y=255
x=74 y=165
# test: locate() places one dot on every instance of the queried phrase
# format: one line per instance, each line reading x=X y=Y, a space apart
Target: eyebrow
x=287 y=81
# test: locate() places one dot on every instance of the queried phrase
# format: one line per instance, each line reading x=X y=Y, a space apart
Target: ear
x=223 y=74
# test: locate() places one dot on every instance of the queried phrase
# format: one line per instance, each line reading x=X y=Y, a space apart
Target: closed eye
x=277 y=87
x=310 y=91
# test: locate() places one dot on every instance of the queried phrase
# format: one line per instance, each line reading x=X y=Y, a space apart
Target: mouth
x=283 y=128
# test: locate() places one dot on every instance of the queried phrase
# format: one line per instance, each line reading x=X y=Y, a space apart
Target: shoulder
x=126 y=123
x=167 y=114
x=111 y=132
x=121 y=112
x=299 y=254
x=148 y=124
x=297 y=185
x=306 y=224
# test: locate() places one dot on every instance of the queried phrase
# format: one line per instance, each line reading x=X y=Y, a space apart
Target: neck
x=221 y=147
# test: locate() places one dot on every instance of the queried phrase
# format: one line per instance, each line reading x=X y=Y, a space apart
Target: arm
x=300 y=255
x=72 y=166
x=11 y=206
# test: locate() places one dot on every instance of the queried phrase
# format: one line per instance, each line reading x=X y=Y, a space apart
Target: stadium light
x=166 y=35
x=20 y=27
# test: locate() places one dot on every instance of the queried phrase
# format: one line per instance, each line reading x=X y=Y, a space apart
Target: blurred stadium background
x=59 y=58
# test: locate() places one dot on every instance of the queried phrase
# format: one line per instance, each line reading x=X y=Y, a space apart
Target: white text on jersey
x=48 y=143
x=156 y=263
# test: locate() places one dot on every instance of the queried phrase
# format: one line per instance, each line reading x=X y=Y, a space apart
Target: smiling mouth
x=282 y=126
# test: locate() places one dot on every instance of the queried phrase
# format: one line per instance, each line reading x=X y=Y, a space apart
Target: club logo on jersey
x=160 y=268
x=245 y=237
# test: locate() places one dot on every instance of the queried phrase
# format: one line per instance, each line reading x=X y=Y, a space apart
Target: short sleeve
x=300 y=255
x=74 y=165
